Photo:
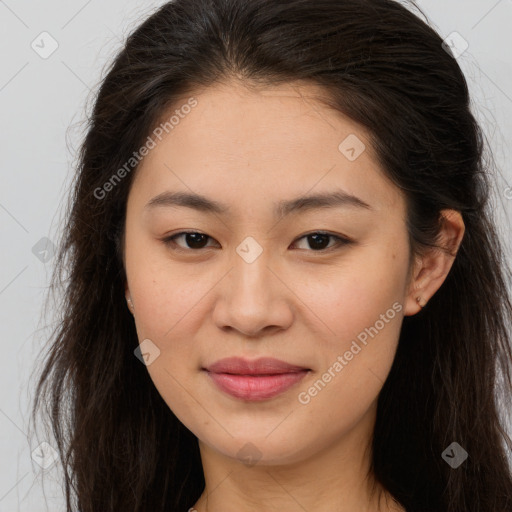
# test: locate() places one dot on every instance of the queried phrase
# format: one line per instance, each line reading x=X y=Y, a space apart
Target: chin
x=274 y=449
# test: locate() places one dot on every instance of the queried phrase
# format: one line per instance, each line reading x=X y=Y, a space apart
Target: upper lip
x=261 y=366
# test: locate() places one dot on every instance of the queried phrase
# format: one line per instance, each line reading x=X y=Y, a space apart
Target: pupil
x=192 y=240
x=315 y=238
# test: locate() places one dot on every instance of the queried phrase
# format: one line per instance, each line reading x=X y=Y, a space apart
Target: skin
x=249 y=149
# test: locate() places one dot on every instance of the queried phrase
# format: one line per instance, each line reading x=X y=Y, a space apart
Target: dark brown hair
x=384 y=67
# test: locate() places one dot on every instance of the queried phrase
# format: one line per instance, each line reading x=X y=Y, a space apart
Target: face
x=319 y=284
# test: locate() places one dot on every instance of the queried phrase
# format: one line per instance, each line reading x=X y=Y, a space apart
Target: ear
x=431 y=269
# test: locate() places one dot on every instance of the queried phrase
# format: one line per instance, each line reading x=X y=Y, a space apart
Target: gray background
x=43 y=102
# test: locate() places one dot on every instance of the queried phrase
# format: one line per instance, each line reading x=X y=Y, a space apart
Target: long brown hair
x=384 y=67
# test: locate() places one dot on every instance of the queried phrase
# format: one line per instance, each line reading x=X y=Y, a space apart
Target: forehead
x=256 y=117
x=263 y=141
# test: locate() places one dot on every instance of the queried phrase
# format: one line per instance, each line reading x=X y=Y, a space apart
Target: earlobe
x=129 y=299
x=432 y=268
x=421 y=302
x=419 y=288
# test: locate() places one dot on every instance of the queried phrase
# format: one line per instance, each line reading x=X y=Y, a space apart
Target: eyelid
x=341 y=241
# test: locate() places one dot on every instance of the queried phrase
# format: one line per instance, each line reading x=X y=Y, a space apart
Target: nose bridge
x=250 y=275
x=251 y=299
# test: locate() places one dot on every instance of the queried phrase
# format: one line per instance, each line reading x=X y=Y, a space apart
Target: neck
x=337 y=479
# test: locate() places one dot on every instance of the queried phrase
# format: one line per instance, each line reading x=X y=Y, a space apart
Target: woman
x=285 y=289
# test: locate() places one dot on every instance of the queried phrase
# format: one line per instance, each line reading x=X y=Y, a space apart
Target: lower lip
x=254 y=387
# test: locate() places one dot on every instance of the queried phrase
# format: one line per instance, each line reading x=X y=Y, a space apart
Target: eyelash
x=340 y=241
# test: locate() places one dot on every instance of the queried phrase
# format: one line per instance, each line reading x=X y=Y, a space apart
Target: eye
x=194 y=240
x=319 y=240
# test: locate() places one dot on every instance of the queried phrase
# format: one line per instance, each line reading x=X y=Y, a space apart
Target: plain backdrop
x=43 y=100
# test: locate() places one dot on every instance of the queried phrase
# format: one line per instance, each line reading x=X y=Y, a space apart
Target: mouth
x=257 y=380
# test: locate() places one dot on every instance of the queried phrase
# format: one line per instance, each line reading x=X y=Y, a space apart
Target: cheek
x=166 y=297
x=356 y=355
x=164 y=304
x=169 y=312
x=358 y=349
x=360 y=309
x=366 y=288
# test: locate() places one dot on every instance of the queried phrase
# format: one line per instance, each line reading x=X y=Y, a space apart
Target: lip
x=256 y=380
x=261 y=366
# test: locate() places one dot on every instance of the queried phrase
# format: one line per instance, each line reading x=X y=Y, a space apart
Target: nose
x=253 y=298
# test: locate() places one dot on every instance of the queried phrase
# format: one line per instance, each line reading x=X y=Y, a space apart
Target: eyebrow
x=335 y=199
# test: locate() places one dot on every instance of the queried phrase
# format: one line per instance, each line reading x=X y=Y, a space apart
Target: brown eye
x=192 y=239
x=319 y=241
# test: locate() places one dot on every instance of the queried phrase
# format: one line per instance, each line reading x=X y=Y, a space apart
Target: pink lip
x=256 y=380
